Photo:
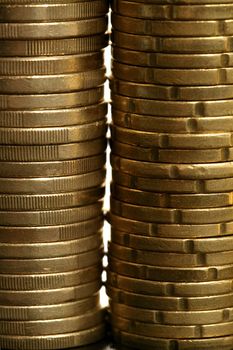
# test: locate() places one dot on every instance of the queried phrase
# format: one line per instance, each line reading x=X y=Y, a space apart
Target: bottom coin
x=141 y=342
x=58 y=341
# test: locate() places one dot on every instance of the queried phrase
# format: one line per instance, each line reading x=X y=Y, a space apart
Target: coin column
x=171 y=254
x=52 y=158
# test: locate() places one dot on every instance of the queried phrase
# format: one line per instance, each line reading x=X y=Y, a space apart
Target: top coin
x=183 y=12
x=52 y=12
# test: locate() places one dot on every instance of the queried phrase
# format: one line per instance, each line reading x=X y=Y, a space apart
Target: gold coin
x=138 y=255
x=54 y=152
x=52 y=184
x=170 y=303
x=54 y=118
x=67 y=340
x=59 y=135
x=49 y=327
x=50 y=65
x=174 y=331
x=170 y=274
x=47 y=312
x=172 y=124
x=166 y=12
x=184 y=45
x=54 y=168
x=45 y=250
x=177 y=318
x=49 y=296
x=178 y=156
x=156 y=288
x=50 y=217
x=161 y=184
x=214 y=171
x=42 y=234
x=171 y=140
x=173 y=108
x=171 y=230
x=139 y=342
x=172 y=216
x=53 y=30
x=29 y=106
x=182 y=77
x=169 y=200
x=125 y=22
x=43 y=281
x=52 y=265
x=42 y=84
x=170 y=93
x=166 y=60
x=52 y=12
x=53 y=47
x=50 y=201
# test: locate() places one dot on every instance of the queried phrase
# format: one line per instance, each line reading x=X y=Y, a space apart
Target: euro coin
x=170 y=274
x=175 y=60
x=49 y=296
x=45 y=136
x=172 y=124
x=170 y=317
x=49 y=250
x=137 y=341
x=54 y=152
x=157 y=199
x=56 y=326
x=157 y=288
x=51 y=47
x=53 y=201
x=68 y=103
x=53 y=168
x=43 y=234
x=176 y=331
x=183 y=12
x=50 y=217
x=170 y=92
x=127 y=23
x=50 y=65
x=43 y=281
x=181 y=45
x=171 y=140
x=53 y=30
x=52 y=265
x=56 y=117
x=138 y=255
x=178 y=156
x=47 y=312
x=169 y=303
x=42 y=84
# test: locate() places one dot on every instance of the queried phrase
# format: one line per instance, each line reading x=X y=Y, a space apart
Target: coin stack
x=171 y=254
x=52 y=159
